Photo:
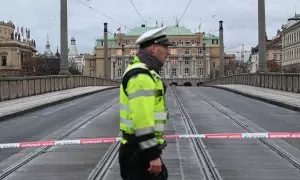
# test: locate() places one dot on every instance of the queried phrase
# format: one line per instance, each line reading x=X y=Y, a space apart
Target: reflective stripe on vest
x=161 y=115
x=159 y=127
x=124 y=107
x=144 y=131
x=140 y=93
x=127 y=122
x=148 y=143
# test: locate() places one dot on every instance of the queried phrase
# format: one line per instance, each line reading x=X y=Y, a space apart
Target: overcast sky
x=86 y=24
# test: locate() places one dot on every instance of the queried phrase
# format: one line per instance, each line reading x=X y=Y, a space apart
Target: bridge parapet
x=17 y=87
x=183 y=81
x=279 y=81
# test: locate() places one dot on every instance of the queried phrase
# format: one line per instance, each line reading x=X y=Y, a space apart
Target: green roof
x=110 y=39
x=210 y=36
x=171 y=31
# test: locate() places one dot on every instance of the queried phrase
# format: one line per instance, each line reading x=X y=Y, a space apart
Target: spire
x=48 y=44
x=200 y=25
x=48 y=52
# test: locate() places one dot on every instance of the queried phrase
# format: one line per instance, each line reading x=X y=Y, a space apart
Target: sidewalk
x=280 y=98
x=18 y=106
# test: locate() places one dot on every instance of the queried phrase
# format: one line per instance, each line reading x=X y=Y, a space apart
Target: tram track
x=209 y=169
x=37 y=152
x=102 y=168
x=282 y=153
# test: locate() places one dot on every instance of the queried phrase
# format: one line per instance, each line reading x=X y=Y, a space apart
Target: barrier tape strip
x=269 y=135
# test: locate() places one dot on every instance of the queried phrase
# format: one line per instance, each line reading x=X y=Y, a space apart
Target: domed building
x=15 y=51
x=72 y=48
x=75 y=59
x=48 y=52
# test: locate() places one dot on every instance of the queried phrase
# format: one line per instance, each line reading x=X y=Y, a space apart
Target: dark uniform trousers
x=134 y=167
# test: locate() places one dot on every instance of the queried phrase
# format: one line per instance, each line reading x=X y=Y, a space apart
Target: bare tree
x=73 y=70
x=41 y=65
x=273 y=66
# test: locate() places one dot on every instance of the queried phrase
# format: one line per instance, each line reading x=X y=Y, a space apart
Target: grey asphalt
x=236 y=159
x=270 y=117
x=74 y=162
x=40 y=123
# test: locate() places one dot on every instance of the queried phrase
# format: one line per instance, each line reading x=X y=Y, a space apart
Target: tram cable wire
x=138 y=11
x=99 y=12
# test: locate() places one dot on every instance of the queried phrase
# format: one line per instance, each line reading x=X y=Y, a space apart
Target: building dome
x=48 y=51
x=57 y=54
x=72 y=48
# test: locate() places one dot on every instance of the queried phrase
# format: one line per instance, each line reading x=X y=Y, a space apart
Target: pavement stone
x=18 y=106
x=281 y=98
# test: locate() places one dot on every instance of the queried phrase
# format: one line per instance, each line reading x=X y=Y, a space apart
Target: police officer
x=143 y=112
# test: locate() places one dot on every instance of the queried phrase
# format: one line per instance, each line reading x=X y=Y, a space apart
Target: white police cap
x=154 y=36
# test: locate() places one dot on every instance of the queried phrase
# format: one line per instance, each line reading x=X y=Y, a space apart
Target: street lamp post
x=114 y=69
x=64 y=64
x=204 y=63
x=123 y=59
x=221 y=48
x=106 y=64
x=262 y=64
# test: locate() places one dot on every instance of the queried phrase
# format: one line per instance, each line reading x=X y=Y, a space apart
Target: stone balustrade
x=17 y=87
x=279 y=81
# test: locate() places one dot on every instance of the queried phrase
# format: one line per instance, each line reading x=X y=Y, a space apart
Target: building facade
x=273 y=53
x=274 y=49
x=90 y=65
x=185 y=61
x=291 y=43
x=14 y=52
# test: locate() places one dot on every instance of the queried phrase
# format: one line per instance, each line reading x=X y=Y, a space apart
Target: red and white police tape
x=269 y=135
